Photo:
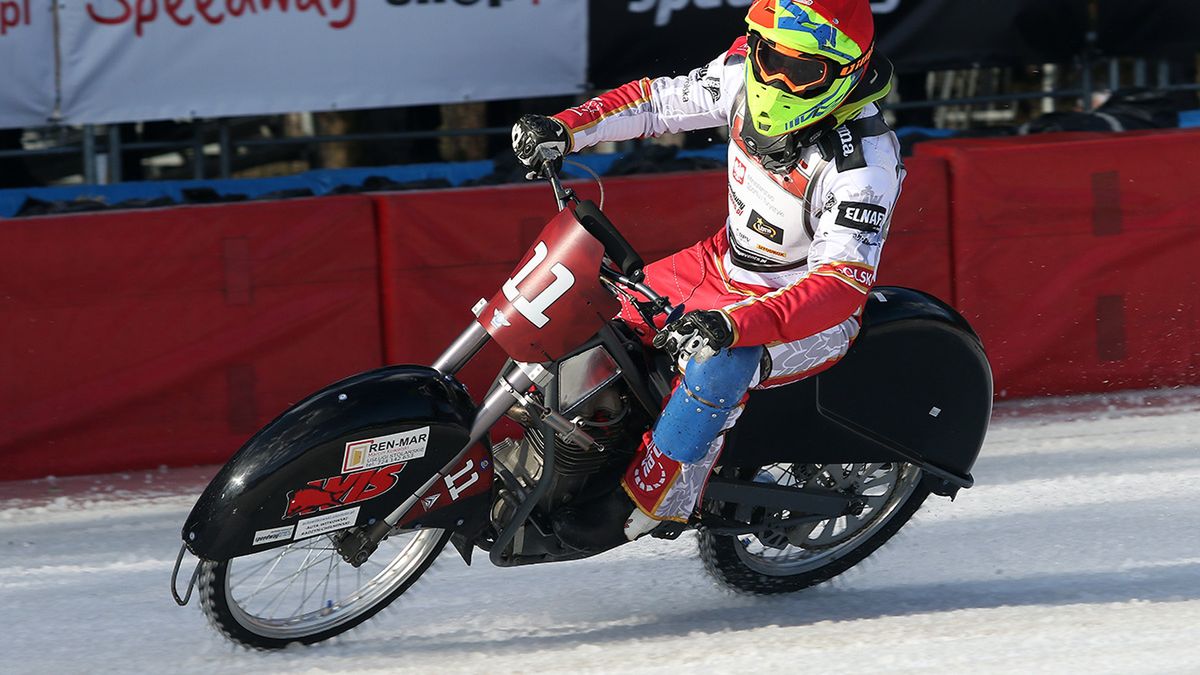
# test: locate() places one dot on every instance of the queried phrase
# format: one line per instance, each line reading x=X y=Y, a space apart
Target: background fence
x=167 y=336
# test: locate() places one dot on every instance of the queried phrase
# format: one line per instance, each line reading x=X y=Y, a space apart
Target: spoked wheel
x=884 y=497
x=305 y=592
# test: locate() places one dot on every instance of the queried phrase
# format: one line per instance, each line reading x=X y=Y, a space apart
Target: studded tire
x=234 y=618
x=731 y=561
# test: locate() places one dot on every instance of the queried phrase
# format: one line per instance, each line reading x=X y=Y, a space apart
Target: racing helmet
x=805 y=58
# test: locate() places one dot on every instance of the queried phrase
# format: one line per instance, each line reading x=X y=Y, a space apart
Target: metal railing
x=101 y=150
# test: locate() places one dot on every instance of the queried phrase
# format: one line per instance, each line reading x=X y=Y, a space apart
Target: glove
x=532 y=132
x=704 y=331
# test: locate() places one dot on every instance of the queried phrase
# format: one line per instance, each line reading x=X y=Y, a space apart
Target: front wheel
x=304 y=592
x=790 y=558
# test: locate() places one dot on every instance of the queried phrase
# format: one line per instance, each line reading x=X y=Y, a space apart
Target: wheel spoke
x=304 y=567
x=309 y=598
x=279 y=596
x=880 y=488
x=273 y=562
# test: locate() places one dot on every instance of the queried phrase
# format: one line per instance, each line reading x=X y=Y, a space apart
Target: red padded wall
x=917 y=251
x=168 y=336
x=1075 y=258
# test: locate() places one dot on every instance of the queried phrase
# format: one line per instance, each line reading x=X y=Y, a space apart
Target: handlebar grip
x=616 y=246
x=549 y=161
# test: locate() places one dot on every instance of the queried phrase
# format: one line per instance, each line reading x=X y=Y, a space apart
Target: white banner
x=126 y=60
x=26 y=63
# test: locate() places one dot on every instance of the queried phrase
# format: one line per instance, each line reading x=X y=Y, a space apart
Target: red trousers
x=702 y=277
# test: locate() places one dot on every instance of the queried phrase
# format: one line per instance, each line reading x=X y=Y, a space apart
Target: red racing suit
x=793 y=263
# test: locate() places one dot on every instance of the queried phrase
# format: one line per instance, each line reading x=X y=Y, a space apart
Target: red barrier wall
x=1075 y=258
x=132 y=339
x=917 y=251
x=442 y=251
x=168 y=336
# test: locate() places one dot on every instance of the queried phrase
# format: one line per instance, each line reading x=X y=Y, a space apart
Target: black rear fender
x=347 y=455
x=916 y=386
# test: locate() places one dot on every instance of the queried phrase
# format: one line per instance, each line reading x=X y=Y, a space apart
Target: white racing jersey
x=808 y=241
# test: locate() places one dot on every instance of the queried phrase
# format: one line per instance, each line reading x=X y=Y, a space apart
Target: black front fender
x=347 y=455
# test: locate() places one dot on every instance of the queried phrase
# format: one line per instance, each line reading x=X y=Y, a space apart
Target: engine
x=580 y=472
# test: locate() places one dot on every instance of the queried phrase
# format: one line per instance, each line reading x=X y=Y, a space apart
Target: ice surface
x=1078 y=550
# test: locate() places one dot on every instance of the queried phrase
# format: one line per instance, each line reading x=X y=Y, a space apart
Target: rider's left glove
x=532 y=132
x=704 y=331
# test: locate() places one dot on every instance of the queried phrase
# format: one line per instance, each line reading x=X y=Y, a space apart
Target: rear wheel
x=786 y=559
x=304 y=592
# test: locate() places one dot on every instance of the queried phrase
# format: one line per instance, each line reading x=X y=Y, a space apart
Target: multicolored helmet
x=805 y=57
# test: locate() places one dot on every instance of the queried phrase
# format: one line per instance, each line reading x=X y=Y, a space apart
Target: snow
x=1077 y=550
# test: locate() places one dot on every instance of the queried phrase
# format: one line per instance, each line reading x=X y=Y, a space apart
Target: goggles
x=795 y=72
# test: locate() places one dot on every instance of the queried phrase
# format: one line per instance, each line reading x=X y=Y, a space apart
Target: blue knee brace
x=702 y=402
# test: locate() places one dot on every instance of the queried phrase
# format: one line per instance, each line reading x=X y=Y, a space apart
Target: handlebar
x=548 y=158
x=617 y=249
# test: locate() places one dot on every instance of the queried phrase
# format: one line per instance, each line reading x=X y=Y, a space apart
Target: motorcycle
x=334 y=509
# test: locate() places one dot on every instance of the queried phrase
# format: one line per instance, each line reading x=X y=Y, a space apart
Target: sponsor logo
x=762 y=227
x=713 y=86
x=14 y=13
x=738 y=204
x=182 y=13
x=664 y=9
x=428 y=502
x=310 y=527
x=591 y=108
x=867 y=238
x=847 y=140
x=739 y=171
x=862 y=216
x=697 y=76
x=772 y=251
x=383 y=450
x=327 y=493
x=498 y=320
x=741 y=237
x=650 y=474
x=273 y=535
x=860 y=275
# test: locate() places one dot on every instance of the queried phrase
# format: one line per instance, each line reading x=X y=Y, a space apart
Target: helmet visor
x=796 y=72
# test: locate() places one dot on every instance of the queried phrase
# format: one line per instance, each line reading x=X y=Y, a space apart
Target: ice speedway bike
x=334 y=509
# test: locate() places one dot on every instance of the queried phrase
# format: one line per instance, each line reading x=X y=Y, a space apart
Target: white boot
x=639 y=524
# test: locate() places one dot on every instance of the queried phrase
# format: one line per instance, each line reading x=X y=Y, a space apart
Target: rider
x=777 y=293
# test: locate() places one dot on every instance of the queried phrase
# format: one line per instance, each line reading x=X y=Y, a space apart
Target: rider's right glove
x=532 y=132
x=700 y=331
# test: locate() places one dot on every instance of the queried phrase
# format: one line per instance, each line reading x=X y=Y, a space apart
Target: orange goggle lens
x=797 y=72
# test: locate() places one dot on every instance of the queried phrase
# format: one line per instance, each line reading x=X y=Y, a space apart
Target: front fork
x=357 y=548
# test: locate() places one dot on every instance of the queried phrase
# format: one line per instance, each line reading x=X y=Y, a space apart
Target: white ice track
x=1077 y=551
